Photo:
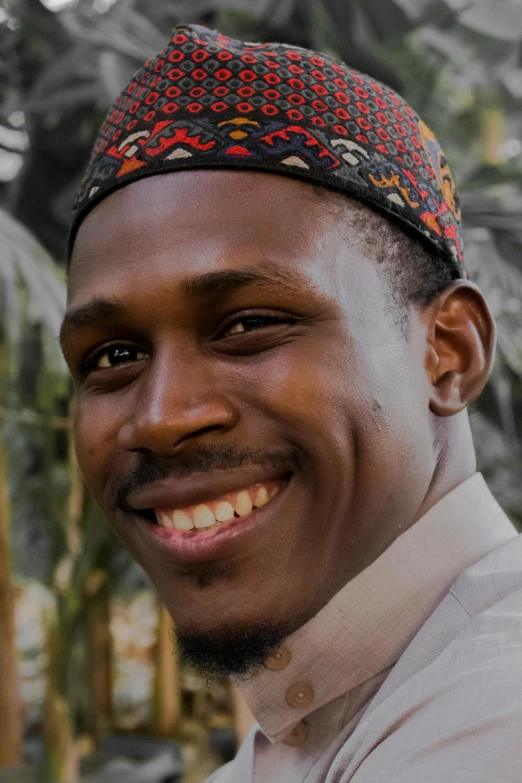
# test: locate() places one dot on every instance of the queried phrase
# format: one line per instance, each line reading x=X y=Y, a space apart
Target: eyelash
x=270 y=318
x=92 y=359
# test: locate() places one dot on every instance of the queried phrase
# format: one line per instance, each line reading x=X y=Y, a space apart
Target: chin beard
x=239 y=653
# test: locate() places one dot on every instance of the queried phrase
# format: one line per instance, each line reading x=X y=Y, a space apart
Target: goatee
x=238 y=653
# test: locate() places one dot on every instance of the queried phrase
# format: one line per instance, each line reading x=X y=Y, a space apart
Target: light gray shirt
x=412 y=673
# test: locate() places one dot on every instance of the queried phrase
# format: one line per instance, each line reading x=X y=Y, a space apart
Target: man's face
x=253 y=346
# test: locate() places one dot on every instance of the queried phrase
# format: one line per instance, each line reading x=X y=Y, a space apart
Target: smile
x=217 y=512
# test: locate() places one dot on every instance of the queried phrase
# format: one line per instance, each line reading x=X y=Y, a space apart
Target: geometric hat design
x=209 y=101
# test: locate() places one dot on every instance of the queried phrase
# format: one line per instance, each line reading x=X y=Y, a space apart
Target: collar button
x=278 y=660
x=299 y=695
x=298 y=735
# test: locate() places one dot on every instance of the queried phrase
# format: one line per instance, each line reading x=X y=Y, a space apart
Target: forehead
x=189 y=222
x=148 y=247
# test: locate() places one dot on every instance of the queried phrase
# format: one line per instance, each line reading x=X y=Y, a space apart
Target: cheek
x=394 y=444
x=96 y=426
x=303 y=385
x=356 y=405
x=306 y=395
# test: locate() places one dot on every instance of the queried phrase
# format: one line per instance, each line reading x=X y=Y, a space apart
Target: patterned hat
x=210 y=101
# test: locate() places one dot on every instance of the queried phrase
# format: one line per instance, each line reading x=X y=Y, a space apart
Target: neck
x=455 y=457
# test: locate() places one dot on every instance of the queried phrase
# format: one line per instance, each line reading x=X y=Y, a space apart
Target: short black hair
x=416 y=271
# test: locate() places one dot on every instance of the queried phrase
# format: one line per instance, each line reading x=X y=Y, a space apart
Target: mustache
x=201 y=459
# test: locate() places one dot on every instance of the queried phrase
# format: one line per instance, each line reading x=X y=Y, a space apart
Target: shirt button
x=298 y=735
x=278 y=660
x=299 y=695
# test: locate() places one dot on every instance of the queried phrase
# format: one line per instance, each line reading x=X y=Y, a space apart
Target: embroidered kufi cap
x=207 y=101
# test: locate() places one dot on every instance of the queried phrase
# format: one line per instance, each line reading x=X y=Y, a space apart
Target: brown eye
x=250 y=323
x=114 y=355
x=237 y=328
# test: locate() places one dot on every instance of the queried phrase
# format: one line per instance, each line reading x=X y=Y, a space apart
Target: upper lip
x=198 y=488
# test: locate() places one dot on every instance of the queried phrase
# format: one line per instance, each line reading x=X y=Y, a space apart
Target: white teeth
x=261 y=497
x=165 y=519
x=224 y=511
x=182 y=521
x=243 y=503
x=203 y=516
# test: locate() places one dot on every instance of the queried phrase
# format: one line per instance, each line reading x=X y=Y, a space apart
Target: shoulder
x=458 y=719
x=458 y=716
x=491 y=579
x=221 y=775
x=241 y=767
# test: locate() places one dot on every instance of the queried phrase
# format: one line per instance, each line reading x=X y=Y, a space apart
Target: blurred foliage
x=459 y=63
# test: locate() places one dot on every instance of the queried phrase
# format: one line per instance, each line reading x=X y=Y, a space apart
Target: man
x=274 y=345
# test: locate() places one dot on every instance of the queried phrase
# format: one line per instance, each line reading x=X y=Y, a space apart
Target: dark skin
x=377 y=413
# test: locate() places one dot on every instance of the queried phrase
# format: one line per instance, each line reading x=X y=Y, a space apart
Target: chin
x=229 y=650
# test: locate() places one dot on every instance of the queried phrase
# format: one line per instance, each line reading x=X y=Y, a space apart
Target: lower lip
x=204 y=546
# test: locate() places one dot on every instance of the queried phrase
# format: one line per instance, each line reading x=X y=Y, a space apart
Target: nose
x=178 y=400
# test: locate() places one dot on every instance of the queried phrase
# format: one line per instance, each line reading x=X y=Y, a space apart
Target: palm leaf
x=499 y=19
x=30 y=284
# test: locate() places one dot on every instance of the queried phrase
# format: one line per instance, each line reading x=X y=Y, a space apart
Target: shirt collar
x=366 y=626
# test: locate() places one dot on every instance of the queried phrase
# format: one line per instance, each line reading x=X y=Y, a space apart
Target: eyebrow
x=105 y=309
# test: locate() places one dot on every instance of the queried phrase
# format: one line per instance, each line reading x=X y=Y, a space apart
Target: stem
x=243 y=718
x=166 y=702
x=61 y=763
x=100 y=656
x=10 y=707
x=494 y=123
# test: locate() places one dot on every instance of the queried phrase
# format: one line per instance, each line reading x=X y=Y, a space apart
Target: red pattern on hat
x=210 y=101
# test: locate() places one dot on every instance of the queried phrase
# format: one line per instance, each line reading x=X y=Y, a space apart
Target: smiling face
x=247 y=344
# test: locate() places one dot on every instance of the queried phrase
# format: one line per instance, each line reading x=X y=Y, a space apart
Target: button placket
x=278 y=660
x=298 y=735
x=299 y=695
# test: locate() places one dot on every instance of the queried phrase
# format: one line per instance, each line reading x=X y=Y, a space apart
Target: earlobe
x=461 y=347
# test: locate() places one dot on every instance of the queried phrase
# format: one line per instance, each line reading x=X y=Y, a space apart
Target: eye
x=251 y=323
x=111 y=356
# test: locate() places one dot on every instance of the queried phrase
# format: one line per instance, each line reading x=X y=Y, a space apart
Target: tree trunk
x=61 y=763
x=166 y=701
x=100 y=658
x=243 y=718
x=10 y=706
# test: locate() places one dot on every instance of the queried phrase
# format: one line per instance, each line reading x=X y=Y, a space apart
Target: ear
x=461 y=346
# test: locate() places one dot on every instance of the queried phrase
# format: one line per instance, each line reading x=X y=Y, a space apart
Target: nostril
x=212 y=428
